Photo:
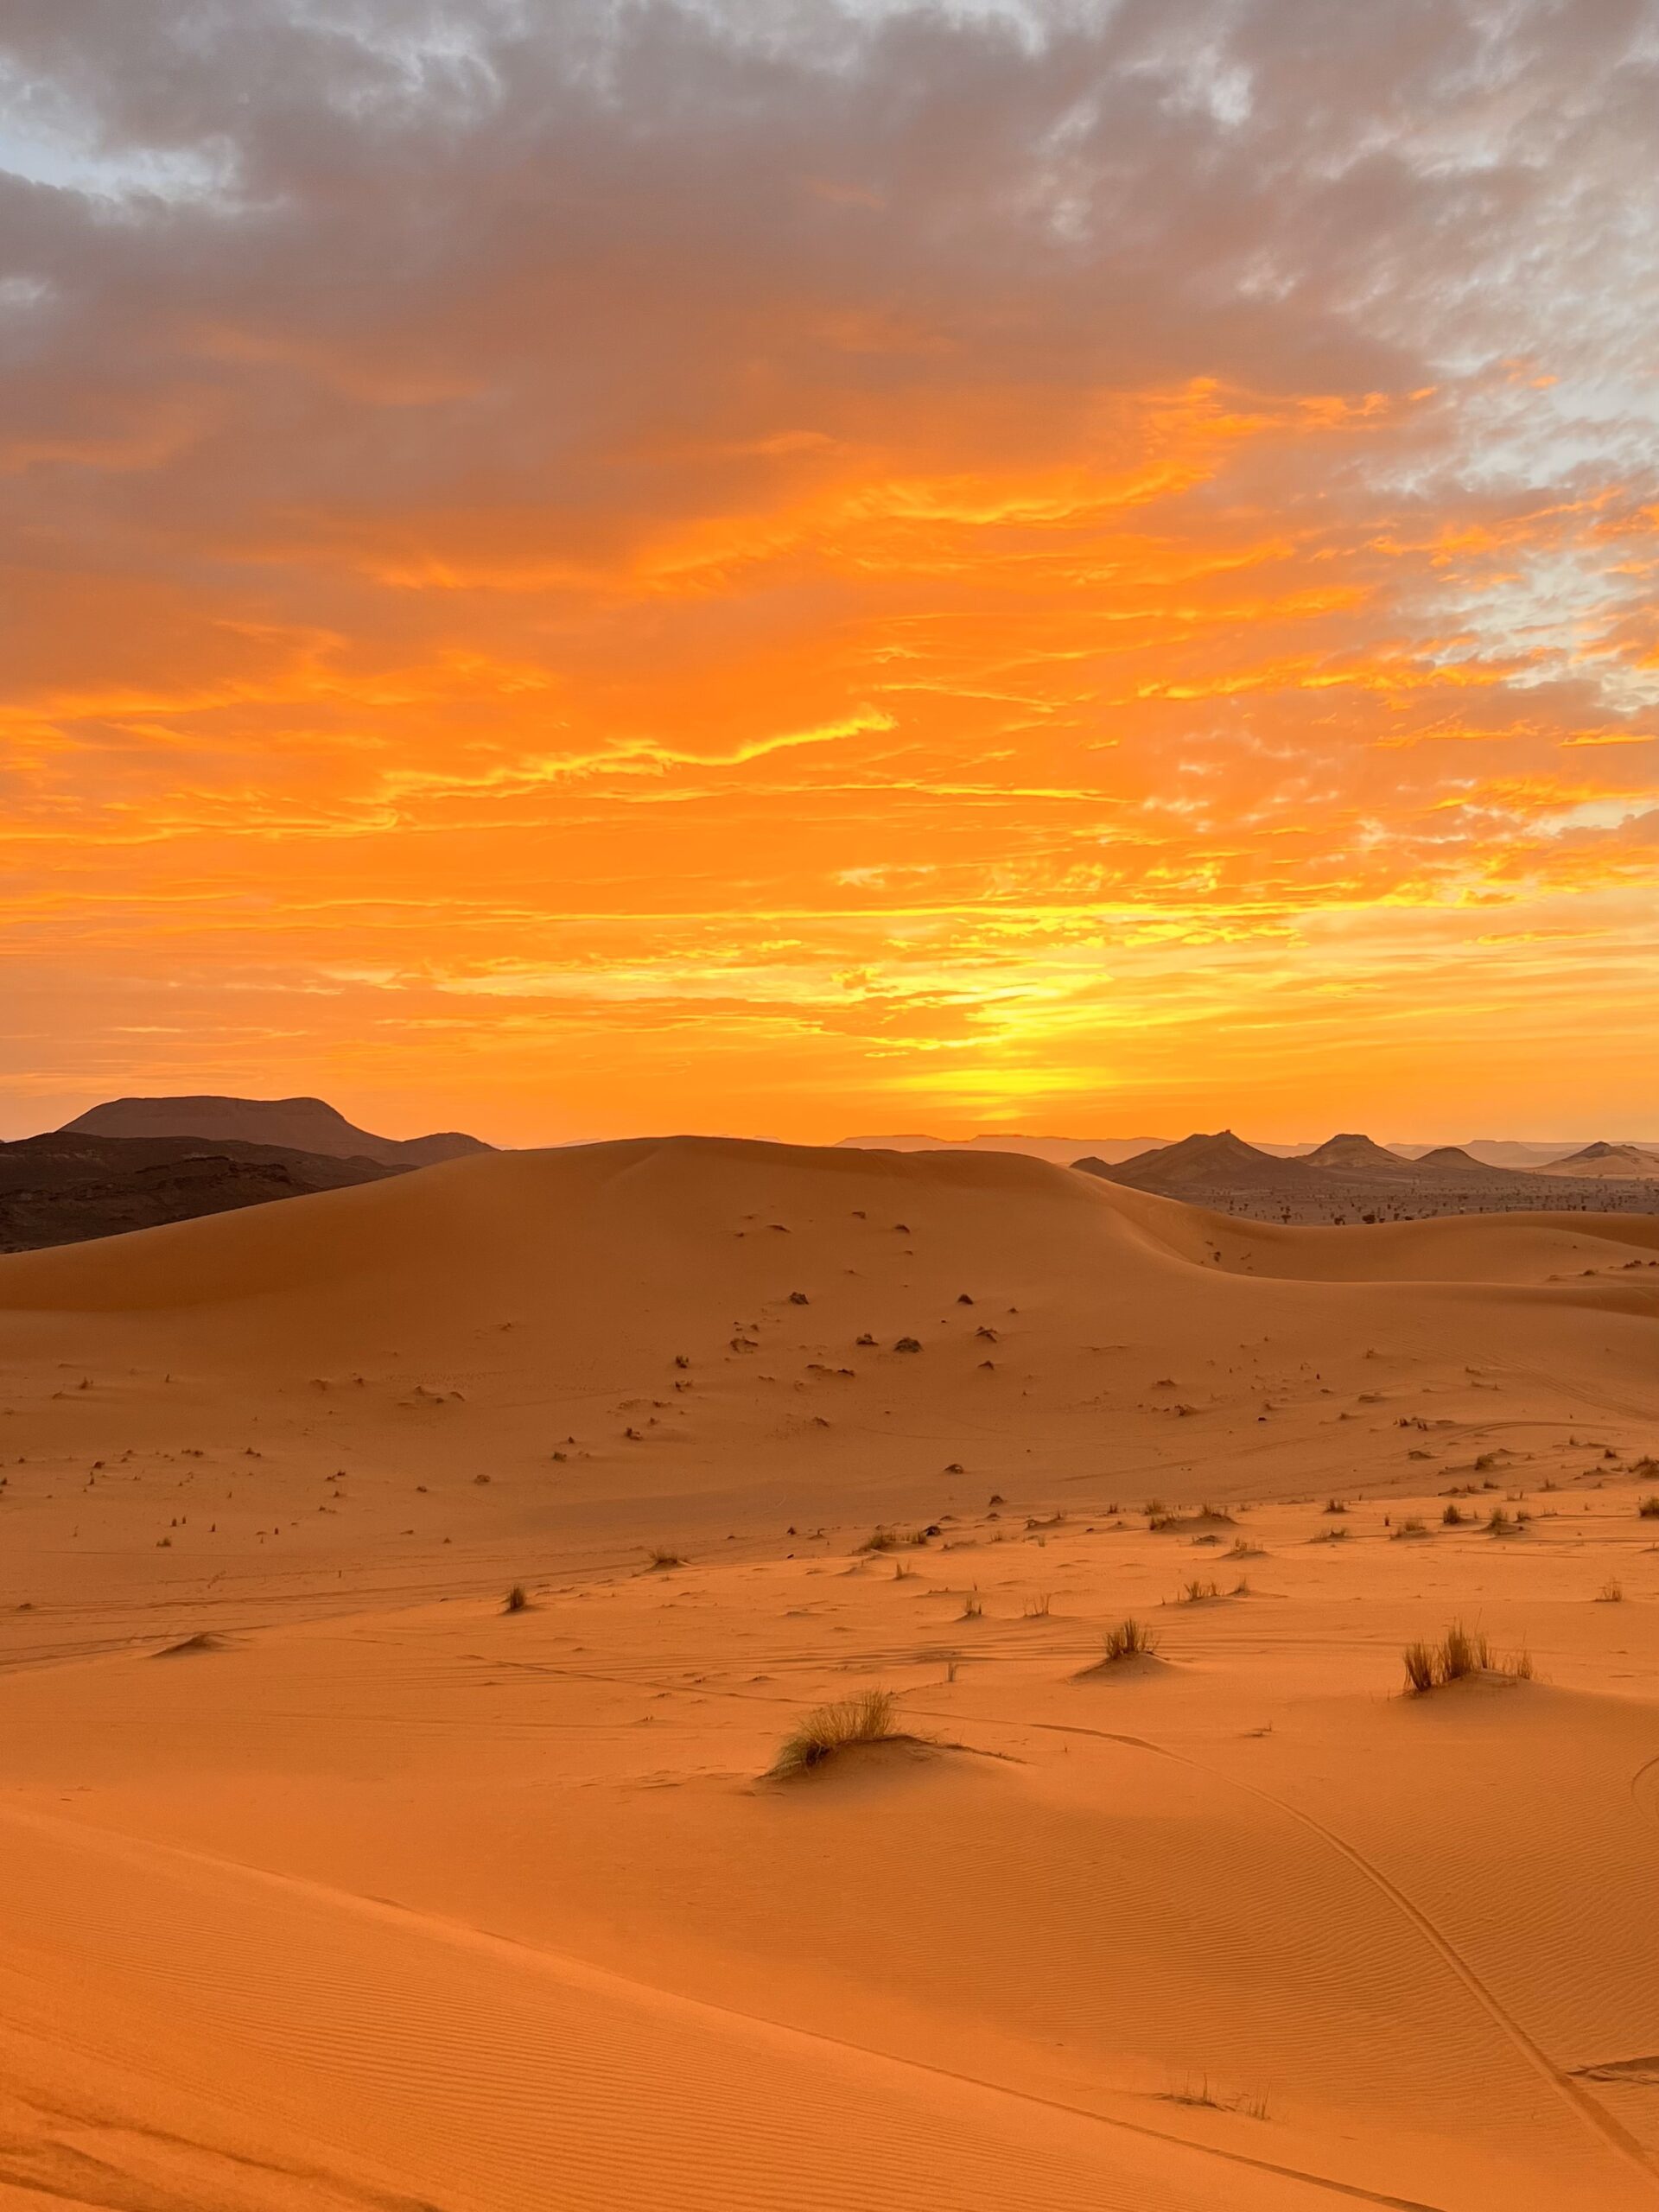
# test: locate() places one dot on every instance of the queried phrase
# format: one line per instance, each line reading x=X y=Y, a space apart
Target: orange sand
x=384 y=1897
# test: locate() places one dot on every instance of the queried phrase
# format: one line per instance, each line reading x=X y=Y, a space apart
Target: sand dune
x=379 y=1894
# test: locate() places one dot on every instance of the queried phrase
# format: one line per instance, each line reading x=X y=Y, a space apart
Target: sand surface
x=375 y=1894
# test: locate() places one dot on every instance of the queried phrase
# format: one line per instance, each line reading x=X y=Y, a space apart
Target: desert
x=829 y=1113
x=410 y=1589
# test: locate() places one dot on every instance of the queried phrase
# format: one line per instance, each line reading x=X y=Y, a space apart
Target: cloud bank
x=858 y=563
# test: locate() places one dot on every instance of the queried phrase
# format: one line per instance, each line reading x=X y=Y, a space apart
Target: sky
x=574 y=568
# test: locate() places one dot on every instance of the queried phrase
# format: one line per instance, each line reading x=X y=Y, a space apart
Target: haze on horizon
x=825 y=568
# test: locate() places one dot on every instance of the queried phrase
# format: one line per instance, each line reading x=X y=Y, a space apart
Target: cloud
x=486 y=490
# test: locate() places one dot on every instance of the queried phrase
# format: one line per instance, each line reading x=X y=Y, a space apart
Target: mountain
x=1220 y=1161
x=1061 y=1152
x=1452 y=1160
x=1522 y=1154
x=65 y=1187
x=1605 y=1159
x=305 y=1125
x=1351 y=1155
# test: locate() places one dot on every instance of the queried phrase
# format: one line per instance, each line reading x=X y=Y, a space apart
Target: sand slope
x=378 y=1895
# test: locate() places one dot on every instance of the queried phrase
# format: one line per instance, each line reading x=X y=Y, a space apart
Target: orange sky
x=817 y=570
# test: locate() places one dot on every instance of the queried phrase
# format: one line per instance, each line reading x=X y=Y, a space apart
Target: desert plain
x=406 y=1592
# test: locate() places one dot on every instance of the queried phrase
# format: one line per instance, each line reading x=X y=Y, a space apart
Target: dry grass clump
x=1336 y=1505
x=660 y=1560
x=1194 y=1594
x=1411 y=1527
x=1130 y=1639
x=518 y=1599
x=893 y=1540
x=1649 y=1508
x=972 y=1606
x=1454 y=1518
x=1611 y=1593
x=866 y=1719
x=1037 y=1608
x=1500 y=1523
x=1460 y=1653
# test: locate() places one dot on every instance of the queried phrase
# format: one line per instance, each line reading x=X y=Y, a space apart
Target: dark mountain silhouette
x=1351 y=1179
x=304 y=1125
x=66 y=1187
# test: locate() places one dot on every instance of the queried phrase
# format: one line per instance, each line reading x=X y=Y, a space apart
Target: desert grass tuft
x=1611 y=1593
x=1130 y=1639
x=660 y=1561
x=1454 y=1516
x=518 y=1599
x=1649 y=1508
x=1194 y=1594
x=1037 y=1608
x=866 y=1719
x=1461 y=1654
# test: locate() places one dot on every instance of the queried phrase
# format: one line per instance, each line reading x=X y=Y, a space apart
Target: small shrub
x=1460 y=1653
x=1037 y=1608
x=1411 y=1527
x=660 y=1560
x=1649 y=1508
x=516 y=1599
x=867 y=1719
x=1336 y=1505
x=1611 y=1594
x=971 y=1606
x=1454 y=1516
x=1130 y=1639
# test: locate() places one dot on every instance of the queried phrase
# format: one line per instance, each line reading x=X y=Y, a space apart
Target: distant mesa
x=142 y=1163
x=309 y=1125
x=1353 y=1154
x=66 y=1187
